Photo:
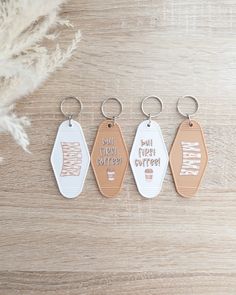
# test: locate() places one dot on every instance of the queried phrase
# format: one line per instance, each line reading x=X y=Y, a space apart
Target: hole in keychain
x=149 y=123
x=110 y=125
x=70 y=118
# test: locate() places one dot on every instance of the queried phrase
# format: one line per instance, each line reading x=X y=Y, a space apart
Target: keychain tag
x=109 y=156
x=70 y=157
x=188 y=156
x=149 y=156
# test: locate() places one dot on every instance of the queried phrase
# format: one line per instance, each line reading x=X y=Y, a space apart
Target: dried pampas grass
x=24 y=61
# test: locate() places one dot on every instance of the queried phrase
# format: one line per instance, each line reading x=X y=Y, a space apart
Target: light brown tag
x=188 y=158
x=109 y=158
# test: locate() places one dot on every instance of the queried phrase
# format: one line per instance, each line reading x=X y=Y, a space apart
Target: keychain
x=109 y=156
x=188 y=156
x=70 y=156
x=149 y=156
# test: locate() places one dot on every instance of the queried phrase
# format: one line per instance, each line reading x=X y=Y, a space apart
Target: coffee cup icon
x=110 y=174
x=148 y=174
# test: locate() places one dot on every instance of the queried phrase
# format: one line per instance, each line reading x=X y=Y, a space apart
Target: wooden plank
x=60 y=283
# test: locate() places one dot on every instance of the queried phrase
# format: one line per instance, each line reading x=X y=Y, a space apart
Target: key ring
x=149 y=115
x=188 y=115
x=112 y=117
x=71 y=115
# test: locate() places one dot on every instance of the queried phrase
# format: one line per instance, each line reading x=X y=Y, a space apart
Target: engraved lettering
x=72 y=159
x=191 y=158
x=109 y=157
x=147 y=158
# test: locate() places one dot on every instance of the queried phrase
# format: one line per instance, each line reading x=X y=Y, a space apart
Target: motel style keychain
x=188 y=155
x=149 y=156
x=109 y=156
x=70 y=156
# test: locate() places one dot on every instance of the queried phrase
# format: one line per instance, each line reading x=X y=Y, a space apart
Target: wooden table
x=128 y=245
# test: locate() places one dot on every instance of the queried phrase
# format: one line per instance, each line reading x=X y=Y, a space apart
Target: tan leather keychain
x=109 y=156
x=188 y=155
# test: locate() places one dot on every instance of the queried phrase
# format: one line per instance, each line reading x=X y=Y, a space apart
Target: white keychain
x=149 y=156
x=70 y=156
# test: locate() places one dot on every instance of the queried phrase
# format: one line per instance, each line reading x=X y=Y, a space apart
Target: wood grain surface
x=128 y=245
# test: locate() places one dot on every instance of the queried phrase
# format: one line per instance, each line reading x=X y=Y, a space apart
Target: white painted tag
x=70 y=159
x=149 y=159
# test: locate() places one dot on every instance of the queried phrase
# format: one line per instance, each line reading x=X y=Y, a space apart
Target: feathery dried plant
x=25 y=62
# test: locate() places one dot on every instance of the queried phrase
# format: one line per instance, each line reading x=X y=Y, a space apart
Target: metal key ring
x=70 y=115
x=188 y=115
x=150 y=116
x=69 y=98
x=104 y=113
